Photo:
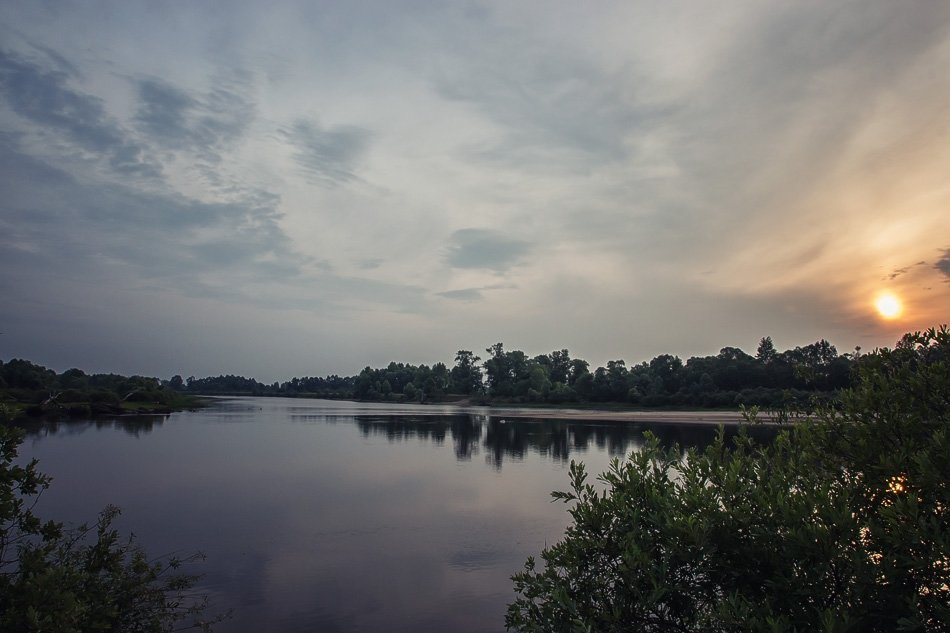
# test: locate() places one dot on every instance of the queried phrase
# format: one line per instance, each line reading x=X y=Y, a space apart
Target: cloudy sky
x=305 y=188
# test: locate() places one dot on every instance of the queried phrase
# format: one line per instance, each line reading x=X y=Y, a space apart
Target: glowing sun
x=888 y=305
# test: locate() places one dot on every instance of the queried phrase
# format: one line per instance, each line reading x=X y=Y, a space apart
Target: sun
x=888 y=305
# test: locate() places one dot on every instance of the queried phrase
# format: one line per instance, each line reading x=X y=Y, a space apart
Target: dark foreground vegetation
x=840 y=524
x=84 y=579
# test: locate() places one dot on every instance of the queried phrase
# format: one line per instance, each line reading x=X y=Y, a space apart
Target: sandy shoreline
x=713 y=418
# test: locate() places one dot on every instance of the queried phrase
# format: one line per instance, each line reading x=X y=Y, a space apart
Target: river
x=330 y=516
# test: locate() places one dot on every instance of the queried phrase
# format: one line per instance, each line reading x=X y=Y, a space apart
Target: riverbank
x=592 y=412
x=50 y=410
x=714 y=418
x=666 y=416
x=588 y=413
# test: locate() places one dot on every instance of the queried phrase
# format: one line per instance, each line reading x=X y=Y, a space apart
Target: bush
x=85 y=579
x=71 y=395
x=841 y=524
x=103 y=396
x=79 y=410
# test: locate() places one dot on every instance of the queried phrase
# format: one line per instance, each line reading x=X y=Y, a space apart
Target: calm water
x=336 y=516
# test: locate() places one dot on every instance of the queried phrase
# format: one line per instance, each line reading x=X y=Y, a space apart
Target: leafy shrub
x=84 y=579
x=102 y=396
x=841 y=524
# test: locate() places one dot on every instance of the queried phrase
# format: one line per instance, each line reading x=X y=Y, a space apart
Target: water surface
x=337 y=516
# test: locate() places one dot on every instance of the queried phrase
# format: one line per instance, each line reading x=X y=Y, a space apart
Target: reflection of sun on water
x=888 y=305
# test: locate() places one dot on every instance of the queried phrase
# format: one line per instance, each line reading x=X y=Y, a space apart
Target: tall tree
x=466 y=374
x=766 y=351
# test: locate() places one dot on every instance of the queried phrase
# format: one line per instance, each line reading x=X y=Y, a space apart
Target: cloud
x=943 y=265
x=203 y=123
x=472 y=294
x=898 y=272
x=160 y=235
x=53 y=226
x=45 y=98
x=464 y=294
x=370 y=263
x=328 y=155
x=549 y=111
x=485 y=248
x=163 y=111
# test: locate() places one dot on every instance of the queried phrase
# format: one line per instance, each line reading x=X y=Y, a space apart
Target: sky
x=304 y=188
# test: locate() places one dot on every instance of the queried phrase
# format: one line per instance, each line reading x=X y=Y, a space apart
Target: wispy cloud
x=471 y=294
x=44 y=97
x=206 y=124
x=943 y=265
x=161 y=235
x=899 y=272
x=163 y=111
x=328 y=156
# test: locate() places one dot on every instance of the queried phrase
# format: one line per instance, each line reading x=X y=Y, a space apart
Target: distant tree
x=498 y=370
x=617 y=376
x=733 y=354
x=539 y=383
x=579 y=367
x=811 y=364
x=560 y=366
x=583 y=384
x=23 y=374
x=73 y=379
x=668 y=369
x=766 y=351
x=364 y=382
x=466 y=374
x=600 y=386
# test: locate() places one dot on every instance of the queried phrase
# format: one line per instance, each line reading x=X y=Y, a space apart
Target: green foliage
x=841 y=524
x=41 y=392
x=83 y=579
x=466 y=375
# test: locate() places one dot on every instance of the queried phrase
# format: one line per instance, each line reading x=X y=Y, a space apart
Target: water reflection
x=471 y=434
x=135 y=425
x=558 y=440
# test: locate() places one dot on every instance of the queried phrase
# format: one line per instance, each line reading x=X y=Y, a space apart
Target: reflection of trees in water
x=465 y=431
x=399 y=428
x=500 y=438
x=135 y=425
x=557 y=439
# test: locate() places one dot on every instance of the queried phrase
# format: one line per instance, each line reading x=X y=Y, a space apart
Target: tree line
x=771 y=378
x=41 y=391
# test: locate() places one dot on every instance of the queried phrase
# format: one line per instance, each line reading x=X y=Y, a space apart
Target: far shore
x=542 y=412
x=713 y=418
